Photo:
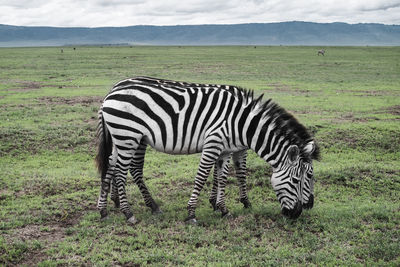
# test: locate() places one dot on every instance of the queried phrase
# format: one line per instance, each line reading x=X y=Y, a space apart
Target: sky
x=100 y=13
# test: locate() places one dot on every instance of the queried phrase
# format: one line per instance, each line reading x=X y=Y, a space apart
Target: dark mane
x=288 y=125
x=285 y=123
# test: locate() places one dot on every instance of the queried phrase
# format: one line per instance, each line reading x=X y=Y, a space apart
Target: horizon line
x=206 y=24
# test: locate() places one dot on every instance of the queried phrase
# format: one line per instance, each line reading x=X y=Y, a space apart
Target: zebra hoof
x=191 y=221
x=246 y=203
x=132 y=220
x=103 y=215
x=155 y=209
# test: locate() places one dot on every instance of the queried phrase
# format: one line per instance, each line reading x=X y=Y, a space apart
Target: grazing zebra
x=321 y=52
x=214 y=120
x=239 y=159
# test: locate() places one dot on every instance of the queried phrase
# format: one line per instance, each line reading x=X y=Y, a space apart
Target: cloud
x=22 y=4
x=108 y=3
x=95 y=13
x=378 y=5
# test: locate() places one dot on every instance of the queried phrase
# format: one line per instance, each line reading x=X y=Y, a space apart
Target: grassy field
x=349 y=99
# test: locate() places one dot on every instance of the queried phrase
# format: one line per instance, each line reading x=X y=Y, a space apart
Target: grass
x=349 y=99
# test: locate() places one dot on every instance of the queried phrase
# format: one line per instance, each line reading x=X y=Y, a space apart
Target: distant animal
x=321 y=52
x=62 y=51
x=211 y=119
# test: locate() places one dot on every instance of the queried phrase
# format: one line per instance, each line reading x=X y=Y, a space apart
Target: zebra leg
x=114 y=193
x=214 y=190
x=136 y=171
x=121 y=171
x=208 y=158
x=223 y=168
x=105 y=185
x=102 y=201
x=239 y=160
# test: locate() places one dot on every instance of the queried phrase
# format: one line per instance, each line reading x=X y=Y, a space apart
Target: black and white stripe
x=183 y=118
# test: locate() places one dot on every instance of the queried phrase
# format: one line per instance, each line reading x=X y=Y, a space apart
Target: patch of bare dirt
x=347 y=137
x=4 y=191
x=286 y=88
x=92 y=121
x=303 y=112
x=16 y=139
x=329 y=64
x=366 y=93
x=36 y=185
x=81 y=100
x=67 y=219
x=352 y=118
x=375 y=93
x=48 y=235
x=394 y=110
x=236 y=221
x=26 y=86
x=349 y=117
x=37 y=232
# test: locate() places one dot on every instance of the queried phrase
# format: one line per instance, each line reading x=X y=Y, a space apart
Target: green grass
x=349 y=99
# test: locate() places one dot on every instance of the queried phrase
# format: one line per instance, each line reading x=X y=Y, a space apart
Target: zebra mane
x=284 y=122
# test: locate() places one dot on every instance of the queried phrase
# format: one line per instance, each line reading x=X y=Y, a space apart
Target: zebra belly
x=179 y=149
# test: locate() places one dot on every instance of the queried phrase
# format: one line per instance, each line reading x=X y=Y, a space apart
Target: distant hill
x=284 y=33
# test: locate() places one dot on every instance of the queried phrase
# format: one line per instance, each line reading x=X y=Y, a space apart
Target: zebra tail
x=104 y=148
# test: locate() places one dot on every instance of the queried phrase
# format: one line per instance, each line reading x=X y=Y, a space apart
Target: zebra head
x=293 y=181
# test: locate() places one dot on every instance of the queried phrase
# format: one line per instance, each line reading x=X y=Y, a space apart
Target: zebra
x=239 y=159
x=321 y=52
x=215 y=121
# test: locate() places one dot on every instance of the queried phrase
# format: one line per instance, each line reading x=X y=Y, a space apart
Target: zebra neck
x=264 y=139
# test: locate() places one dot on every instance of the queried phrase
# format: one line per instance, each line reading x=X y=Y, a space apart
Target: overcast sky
x=96 y=13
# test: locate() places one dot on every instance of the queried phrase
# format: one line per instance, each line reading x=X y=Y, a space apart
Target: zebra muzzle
x=293 y=213
x=310 y=203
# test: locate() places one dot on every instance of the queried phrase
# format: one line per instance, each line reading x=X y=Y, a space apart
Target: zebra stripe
x=136 y=112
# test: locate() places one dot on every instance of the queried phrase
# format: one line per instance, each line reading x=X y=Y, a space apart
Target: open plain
x=349 y=99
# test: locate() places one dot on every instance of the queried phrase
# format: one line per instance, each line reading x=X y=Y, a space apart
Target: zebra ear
x=309 y=148
x=293 y=153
